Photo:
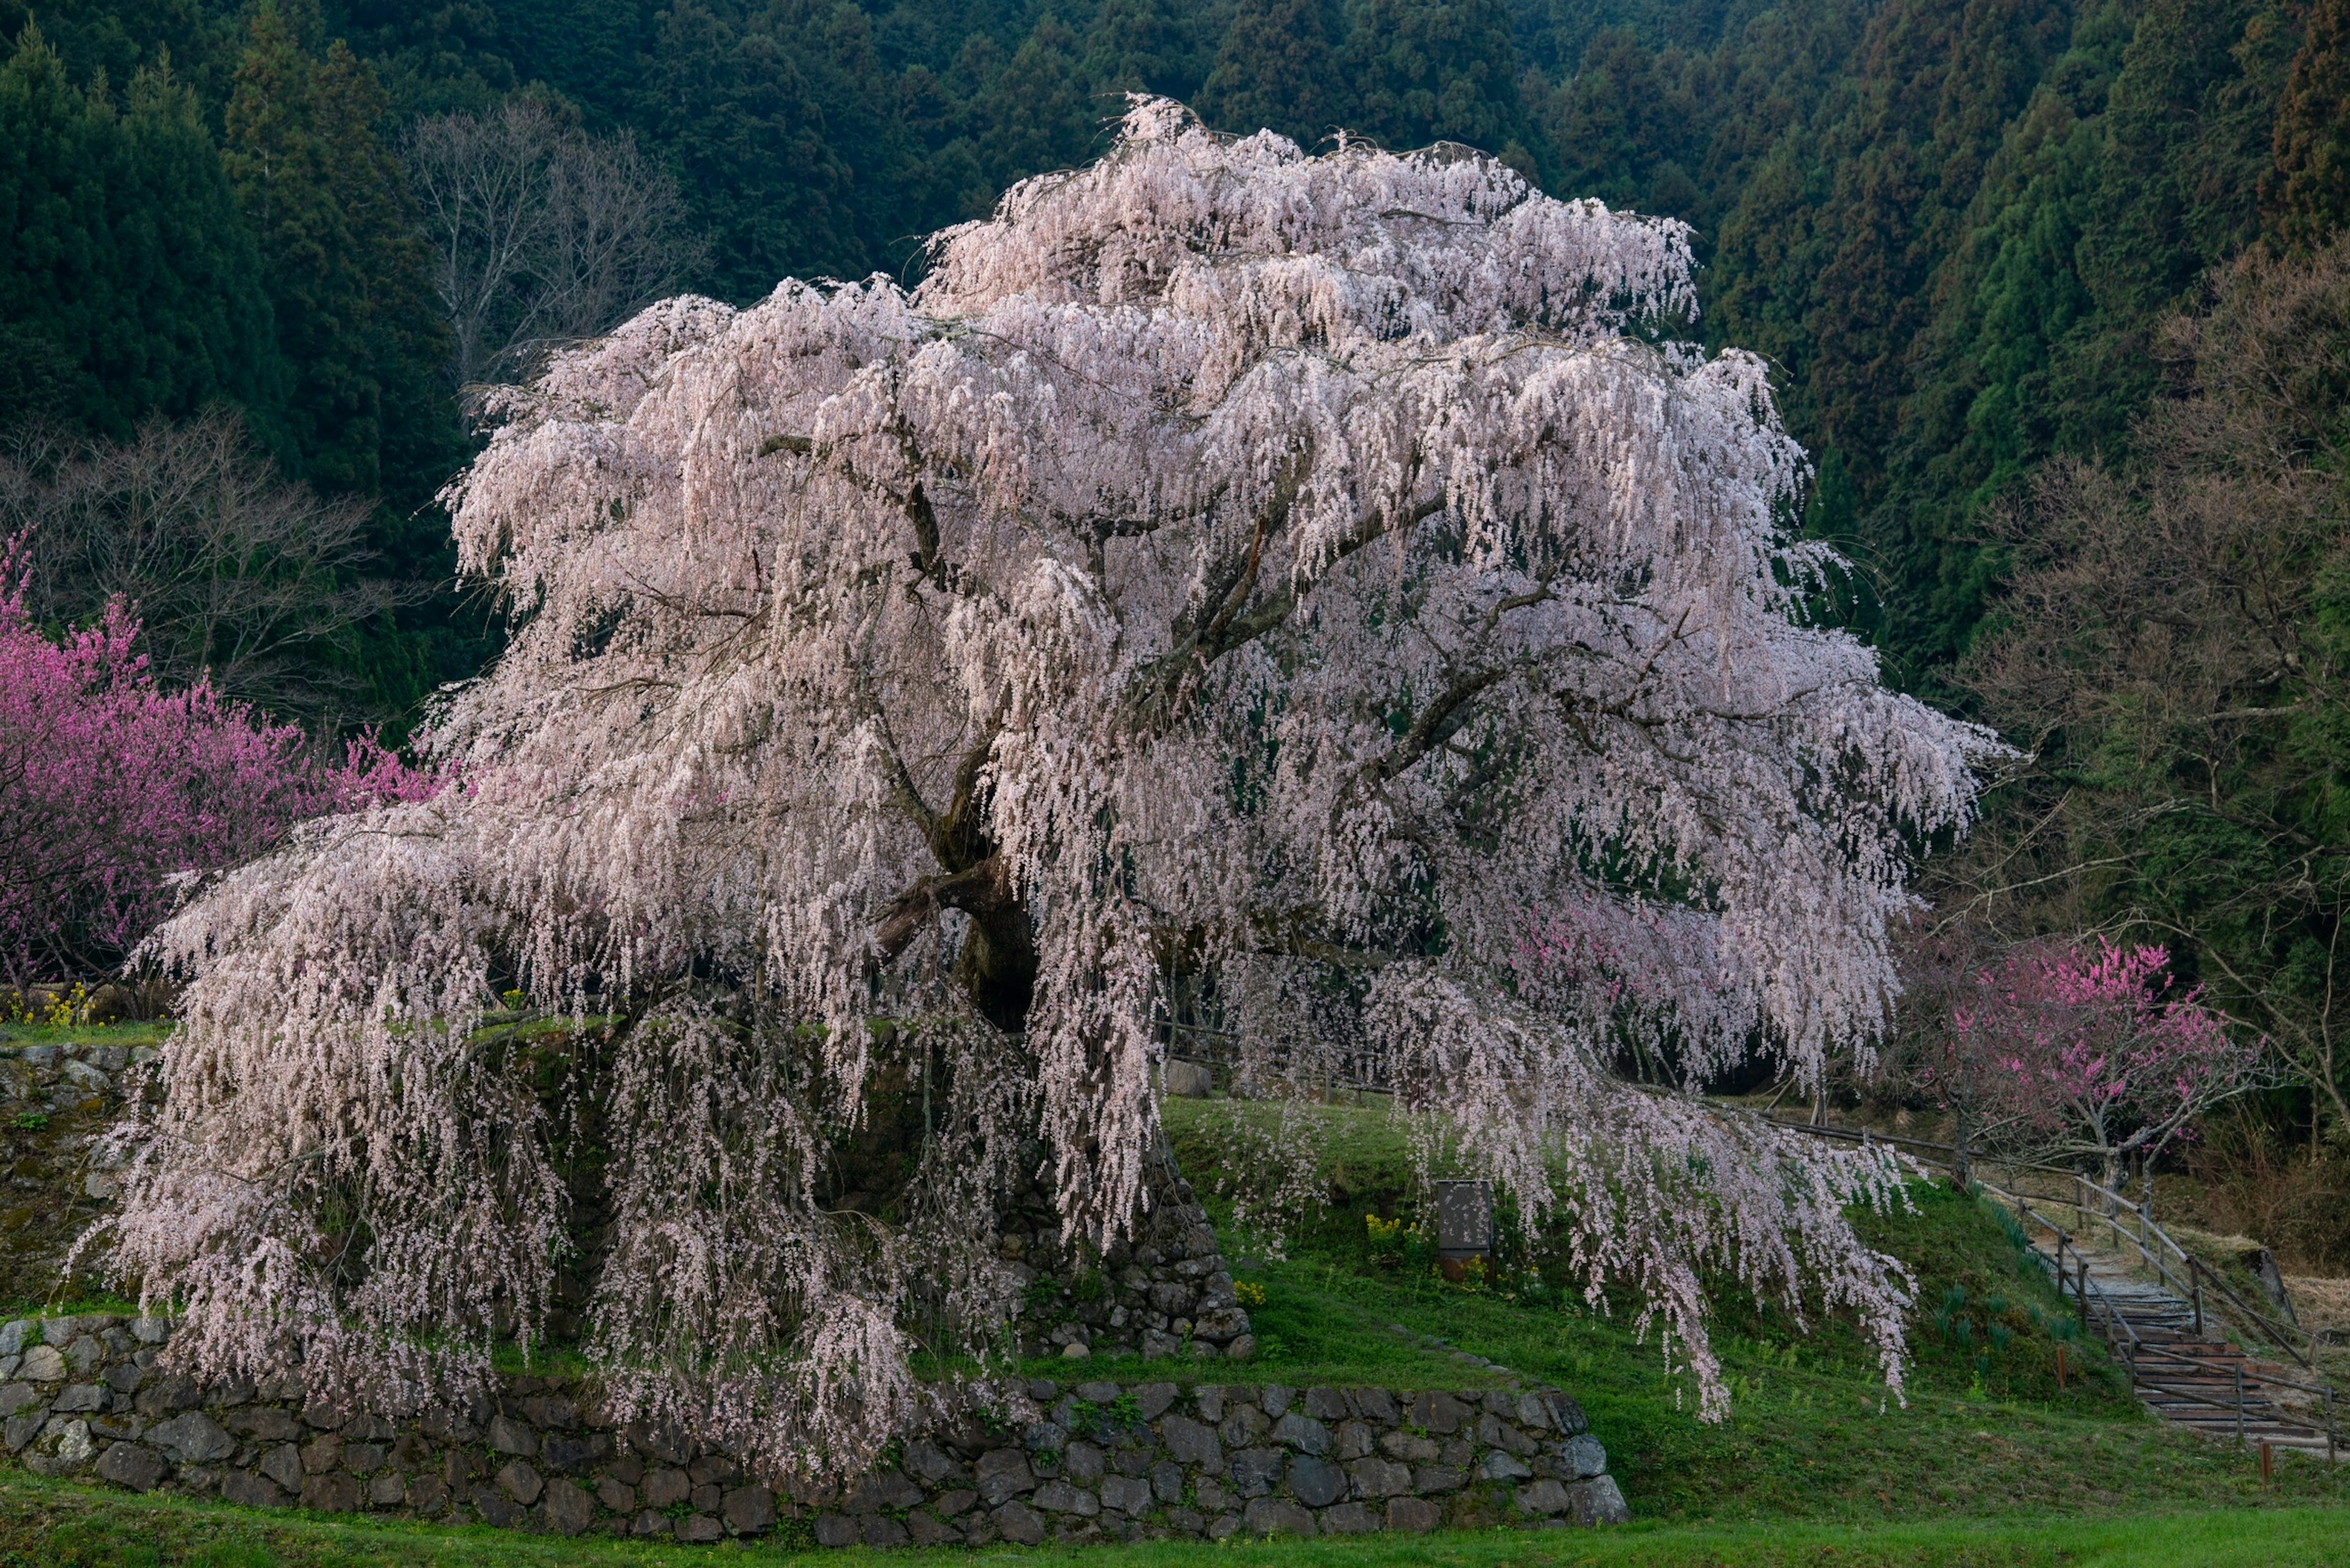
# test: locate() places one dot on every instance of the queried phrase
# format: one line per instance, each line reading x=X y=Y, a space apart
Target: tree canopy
x=1294 y=573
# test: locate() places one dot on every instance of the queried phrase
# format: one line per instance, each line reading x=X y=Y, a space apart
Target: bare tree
x=232 y=569
x=542 y=235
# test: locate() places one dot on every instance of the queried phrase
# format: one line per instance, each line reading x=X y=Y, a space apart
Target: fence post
x=2191 y=1267
x=2240 y=1402
x=2329 y=1428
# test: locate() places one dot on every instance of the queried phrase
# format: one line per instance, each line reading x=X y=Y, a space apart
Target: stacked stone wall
x=89 y=1397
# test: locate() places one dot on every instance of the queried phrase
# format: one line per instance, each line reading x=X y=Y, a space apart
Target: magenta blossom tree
x=2088 y=1050
x=113 y=791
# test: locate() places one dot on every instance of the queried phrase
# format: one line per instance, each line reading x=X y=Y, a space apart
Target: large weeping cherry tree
x=1312 y=578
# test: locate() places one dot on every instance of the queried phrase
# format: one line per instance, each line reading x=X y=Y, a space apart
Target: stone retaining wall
x=84 y=1396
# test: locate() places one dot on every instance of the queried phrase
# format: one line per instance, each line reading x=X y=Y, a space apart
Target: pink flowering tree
x=114 y=792
x=1293 y=573
x=2087 y=1049
x=2079 y=1051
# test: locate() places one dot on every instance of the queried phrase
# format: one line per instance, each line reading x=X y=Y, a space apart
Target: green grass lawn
x=54 y=1525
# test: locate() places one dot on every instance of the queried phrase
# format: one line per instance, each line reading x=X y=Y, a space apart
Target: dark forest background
x=2015 y=261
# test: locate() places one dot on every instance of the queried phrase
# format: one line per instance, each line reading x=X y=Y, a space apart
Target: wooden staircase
x=2146 y=1297
x=2197 y=1380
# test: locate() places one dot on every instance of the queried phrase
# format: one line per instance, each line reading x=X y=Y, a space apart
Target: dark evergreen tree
x=2305 y=196
x=127 y=280
x=1038 y=113
x=1275 y=70
x=342 y=259
x=1147 y=46
x=1418 y=71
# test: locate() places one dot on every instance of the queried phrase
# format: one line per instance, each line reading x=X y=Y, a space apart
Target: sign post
x=1464 y=1228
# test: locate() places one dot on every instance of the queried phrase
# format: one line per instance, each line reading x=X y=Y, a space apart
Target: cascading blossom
x=1297 y=577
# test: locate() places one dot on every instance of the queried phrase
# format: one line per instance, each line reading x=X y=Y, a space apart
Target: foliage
x=127 y=285
x=2172 y=650
x=114 y=792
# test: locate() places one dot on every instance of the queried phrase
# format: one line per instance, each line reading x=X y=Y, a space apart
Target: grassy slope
x=1815 y=1463
x=1811 y=1434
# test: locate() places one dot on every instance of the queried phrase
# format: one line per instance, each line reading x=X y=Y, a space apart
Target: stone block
x=192 y=1438
x=1316 y=1483
x=1060 y=1497
x=748 y=1509
x=124 y=1378
x=1252 y=1472
x=1349 y=1519
x=1302 y=1433
x=931 y=1465
x=1545 y=1498
x=167 y=1394
x=22 y=1430
x=1582 y=1457
x=1433 y=1481
x=322 y=1454
x=1127 y=1494
x=252 y=1491
x=339 y=1493
x=1274 y=1516
x=59 y=1331
x=1167 y=1481
x=879 y=1529
x=1414 y=1515
x=1274 y=1400
x=283 y=1464
x=20 y=1397
x=1003 y=1474
x=1566 y=1417
x=928 y=1530
x=428 y=1495
x=1500 y=1465
x=1438 y=1413
x=1495 y=1433
x=508 y=1436
x=364 y=1459
x=1326 y=1405
x=520 y=1482
x=151 y=1330
x=650 y=1523
x=134 y=1465
x=1530 y=1411
x=264 y=1424
x=387 y=1491
x=1598 y=1501
x=545 y=1410
x=1020 y=1525
x=562 y=1454
x=948 y=1504
x=1083 y=1464
x=43 y=1364
x=568 y=1509
x=17 y=1335
x=665 y=1488
x=1189 y=1080
x=1152 y=1400
x=884 y=1488
x=1376 y=1477
x=617 y=1495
